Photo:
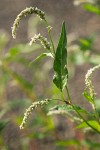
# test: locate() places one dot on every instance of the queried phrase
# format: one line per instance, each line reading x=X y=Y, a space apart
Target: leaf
x=88 y=97
x=93 y=123
x=60 y=61
x=92 y=8
x=69 y=108
x=81 y=110
x=41 y=56
x=64 y=109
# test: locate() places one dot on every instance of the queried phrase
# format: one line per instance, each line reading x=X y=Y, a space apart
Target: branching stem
x=70 y=101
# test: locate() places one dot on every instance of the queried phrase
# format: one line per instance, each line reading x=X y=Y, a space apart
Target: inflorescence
x=88 y=81
x=26 y=12
x=30 y=109
x=42 y=40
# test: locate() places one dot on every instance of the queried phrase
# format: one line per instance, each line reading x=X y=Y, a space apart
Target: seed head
x=42 y=40
x=26 y=12
x=30 y=109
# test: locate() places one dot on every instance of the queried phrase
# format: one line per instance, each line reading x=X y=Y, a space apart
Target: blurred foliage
x=92 y=6
x=10 y=78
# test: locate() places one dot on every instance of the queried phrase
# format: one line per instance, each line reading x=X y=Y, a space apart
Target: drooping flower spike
x=25 y=12
x=30 y=109
x=42 y=40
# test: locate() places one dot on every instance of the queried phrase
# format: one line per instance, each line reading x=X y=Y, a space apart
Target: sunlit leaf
x=93 y=123
x=60 y=61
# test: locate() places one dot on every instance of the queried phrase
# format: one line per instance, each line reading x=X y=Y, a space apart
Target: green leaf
x=69 y=108
x=93 y=123
x=65 y=109
x=62 y=107
x=88 y=97
x=92 y=8
x=60 y=61
x=81 y=110
x=41 y=56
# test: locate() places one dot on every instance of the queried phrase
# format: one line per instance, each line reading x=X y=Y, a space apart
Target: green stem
x=49 y=33
x=95 y=111
x=51 y=42
x=62 y=95
x=70 y=101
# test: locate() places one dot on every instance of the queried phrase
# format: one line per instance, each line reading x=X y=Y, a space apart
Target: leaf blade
x=93 y=123
x=60 y=61
x=88 y=97
x=40 y=57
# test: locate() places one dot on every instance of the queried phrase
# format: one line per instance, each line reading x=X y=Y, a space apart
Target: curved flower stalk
x=88 y=81
x=42 y=40
x=23 y=13
x=30 y=109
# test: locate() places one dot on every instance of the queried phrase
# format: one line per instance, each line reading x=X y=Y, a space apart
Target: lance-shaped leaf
x=60 y=61
x=93 y=123
x=88 y=97
x=41 y=56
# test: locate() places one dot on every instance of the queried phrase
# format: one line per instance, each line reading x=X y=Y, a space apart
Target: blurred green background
x=21 y=84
